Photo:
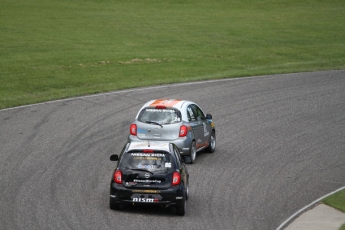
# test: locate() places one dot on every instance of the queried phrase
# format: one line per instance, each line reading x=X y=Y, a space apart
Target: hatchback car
x=149 y=173
x=178 y=121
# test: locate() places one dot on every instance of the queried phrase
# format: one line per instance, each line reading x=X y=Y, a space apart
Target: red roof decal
x=165 y=102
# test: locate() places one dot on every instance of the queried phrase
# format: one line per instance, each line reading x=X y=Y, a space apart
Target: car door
x=204 y=131
x=196 y=120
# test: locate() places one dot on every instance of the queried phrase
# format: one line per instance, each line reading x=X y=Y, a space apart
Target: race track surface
x=281 y=145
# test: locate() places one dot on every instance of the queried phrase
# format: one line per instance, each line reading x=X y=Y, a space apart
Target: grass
x=336 y=200
x=58 y=49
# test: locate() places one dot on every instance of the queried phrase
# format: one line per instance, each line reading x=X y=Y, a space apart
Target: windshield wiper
x=154 y=122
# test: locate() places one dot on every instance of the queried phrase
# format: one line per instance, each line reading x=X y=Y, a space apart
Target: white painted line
x=307 y=207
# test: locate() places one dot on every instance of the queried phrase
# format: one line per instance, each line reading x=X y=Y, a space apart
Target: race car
x=178 y=121
x=149 y=173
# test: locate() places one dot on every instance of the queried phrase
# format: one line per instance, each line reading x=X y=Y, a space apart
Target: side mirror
x=114 y=157
x=208 y=116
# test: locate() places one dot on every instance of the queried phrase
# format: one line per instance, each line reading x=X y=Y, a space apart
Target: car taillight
x=133 y=129
x=148 y=151
x=176 y=179
x=118 y=177
x=183 y=131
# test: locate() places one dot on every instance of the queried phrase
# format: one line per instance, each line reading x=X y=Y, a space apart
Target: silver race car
x=178 y=121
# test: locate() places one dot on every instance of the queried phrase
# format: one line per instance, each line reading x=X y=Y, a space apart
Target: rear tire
x=192 y=153
x=212 y=143
x=187 y=189
x=181 y=209
x=113 y=205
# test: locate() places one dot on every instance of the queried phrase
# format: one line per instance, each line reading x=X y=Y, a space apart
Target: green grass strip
x=336 y=200
x=58 y=49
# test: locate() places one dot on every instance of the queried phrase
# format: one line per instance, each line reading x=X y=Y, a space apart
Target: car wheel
x=113 y=205
x=187 y=191
x=181 y=209
x=212 y=143
x=192 y=153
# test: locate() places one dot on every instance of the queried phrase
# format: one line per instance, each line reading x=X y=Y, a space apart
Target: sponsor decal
x=145 y=200
x=161 y=110
x=147 y=158
x=146 y=191
x=146 y=181
x=191 y=114
x=142 y=166
x=206 y=133
x=142 y=130
x=147 y=155
x=167 y=165
x=130 y=183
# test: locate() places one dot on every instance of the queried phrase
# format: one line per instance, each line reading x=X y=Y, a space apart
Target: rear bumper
x=168 y=197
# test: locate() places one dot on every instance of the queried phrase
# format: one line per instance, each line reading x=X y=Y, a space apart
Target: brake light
x=183 y=131
x=133 y=129
x=176 y=179
x=148 y=151
x=118 y=177
x=160 y=107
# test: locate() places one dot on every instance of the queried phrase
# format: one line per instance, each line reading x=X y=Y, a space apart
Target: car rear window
x=157 y=161
x=160 y=116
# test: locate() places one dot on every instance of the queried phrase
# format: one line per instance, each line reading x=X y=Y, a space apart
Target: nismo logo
x=145 y=200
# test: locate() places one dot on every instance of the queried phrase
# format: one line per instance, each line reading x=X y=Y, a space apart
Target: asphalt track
x=281 y=145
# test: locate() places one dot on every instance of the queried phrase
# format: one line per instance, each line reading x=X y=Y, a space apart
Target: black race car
x=149 y=173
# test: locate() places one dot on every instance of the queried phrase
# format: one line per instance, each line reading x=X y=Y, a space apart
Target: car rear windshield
x=157 y=161
x=160 y=116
